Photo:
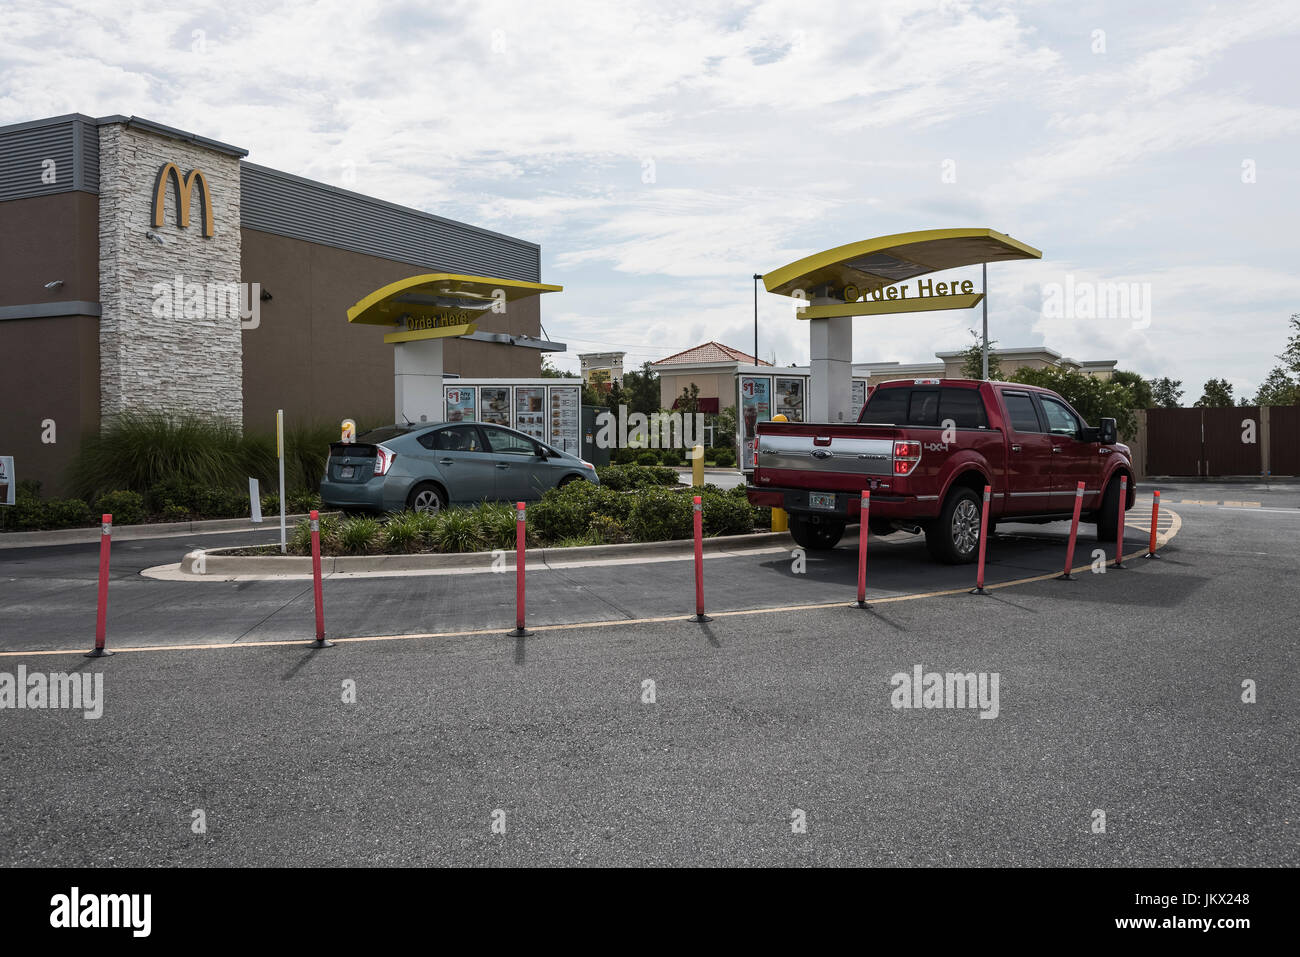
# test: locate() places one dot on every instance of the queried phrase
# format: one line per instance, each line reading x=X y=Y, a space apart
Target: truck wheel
x=815 y=537
x=954 y=537
x=1108 y=515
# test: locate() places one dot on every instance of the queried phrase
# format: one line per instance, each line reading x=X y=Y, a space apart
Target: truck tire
x=1108 y=514
x=954 y=537
x=816 y=537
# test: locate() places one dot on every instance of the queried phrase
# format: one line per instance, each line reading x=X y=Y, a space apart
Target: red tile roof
x=711 y=352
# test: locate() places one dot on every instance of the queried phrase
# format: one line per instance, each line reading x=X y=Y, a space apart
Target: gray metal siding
x=287 y=205
x=24 y=150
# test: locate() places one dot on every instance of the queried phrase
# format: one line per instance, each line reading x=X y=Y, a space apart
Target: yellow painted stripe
x=578 y=626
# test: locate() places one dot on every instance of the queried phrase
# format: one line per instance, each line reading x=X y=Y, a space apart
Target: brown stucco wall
x=46 y=238
x=306 y=358
x=50 y=371
x=51 y=365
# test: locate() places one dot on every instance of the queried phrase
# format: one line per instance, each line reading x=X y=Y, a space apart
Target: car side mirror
x=1109 y=434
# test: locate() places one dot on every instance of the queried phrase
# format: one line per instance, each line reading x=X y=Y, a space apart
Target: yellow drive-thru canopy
x=437 y=305
x=872 y=263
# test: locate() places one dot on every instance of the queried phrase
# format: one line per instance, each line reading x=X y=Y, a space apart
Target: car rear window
x=886 y=407
x=375 y=436
x=926 y=407
x=964 y=408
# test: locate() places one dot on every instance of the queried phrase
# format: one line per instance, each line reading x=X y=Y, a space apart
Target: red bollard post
x=984 y=534
x=101 y=617
x=1155 y=520
x=1074 y=532
x=1119 y=536
x=521 y=535
x=865 y=506
x=698 y=508
x=320 y=642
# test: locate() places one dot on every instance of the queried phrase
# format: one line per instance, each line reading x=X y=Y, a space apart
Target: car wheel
x=426 y=497
x=954 y=537
x=1108 y=515
x=816 y=537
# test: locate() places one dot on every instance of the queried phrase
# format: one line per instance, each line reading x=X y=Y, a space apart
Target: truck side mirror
x=1109 y=434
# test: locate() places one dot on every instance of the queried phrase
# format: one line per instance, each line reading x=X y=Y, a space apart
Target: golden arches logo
x=184 y=186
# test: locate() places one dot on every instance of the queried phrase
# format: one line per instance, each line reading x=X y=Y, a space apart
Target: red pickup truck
x=926 y=448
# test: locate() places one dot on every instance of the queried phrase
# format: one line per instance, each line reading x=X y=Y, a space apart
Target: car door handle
x=446 y=461
x=1103 y=451
x=1056 y=448
x=503 y=465
x=1015 y=448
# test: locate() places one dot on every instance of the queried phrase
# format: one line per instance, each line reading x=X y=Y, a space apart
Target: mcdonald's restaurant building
x=146 y=268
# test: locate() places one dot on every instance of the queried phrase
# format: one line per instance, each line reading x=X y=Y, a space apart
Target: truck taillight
x=906 y=457
x=383 y=459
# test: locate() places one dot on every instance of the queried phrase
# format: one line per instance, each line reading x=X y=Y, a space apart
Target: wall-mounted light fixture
x=155 y=237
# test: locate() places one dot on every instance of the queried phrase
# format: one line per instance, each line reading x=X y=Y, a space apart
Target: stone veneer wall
x=171 y=364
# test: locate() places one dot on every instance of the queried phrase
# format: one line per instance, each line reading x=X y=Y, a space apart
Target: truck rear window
x=926 y=407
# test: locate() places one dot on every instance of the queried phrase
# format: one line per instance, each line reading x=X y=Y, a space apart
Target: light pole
x=984 y=288
x=757 y=277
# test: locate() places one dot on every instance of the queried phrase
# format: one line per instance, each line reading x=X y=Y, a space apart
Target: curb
x=216 y=564
x=91 y=534
x=1224 y=479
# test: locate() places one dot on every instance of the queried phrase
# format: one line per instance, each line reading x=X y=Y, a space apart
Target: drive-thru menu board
x=788 y=399
x=859 y=397
x=496 y=405
x=460 y=403
x=755 y=407
x=530 y=411
x=566 y=417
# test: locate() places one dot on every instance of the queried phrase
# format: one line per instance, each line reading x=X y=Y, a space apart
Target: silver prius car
x=428 y=467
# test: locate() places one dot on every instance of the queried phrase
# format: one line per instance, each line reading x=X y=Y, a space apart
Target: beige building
x=714 y=367
x=605 y=368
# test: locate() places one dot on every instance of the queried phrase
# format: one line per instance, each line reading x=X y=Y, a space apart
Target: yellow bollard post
x=780 y=520
x=697 y=465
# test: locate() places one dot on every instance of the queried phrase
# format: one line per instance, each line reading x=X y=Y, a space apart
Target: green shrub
x=497 y=525
x=126 y=507
x=271 y=503
x=301 y=500
x=174 y=513
x=65 y=513
x=624 y=456
x=358 y=536
x=139 y=450
x=457 y=530
x=659 y=515
x=647 y=457
x=401 y=534
x=726 y=513
x=606 y=530
x=300 y=537
x=672 y=457
x=621 y=478
x=725 y=457
x=566 y=512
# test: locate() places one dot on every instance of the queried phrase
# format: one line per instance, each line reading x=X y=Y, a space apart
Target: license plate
x=821 y=500
x=347 y=471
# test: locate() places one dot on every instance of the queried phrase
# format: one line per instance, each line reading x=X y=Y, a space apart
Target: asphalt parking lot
x=1118 y=692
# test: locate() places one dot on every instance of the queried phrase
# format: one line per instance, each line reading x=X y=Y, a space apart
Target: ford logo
x=822 y=454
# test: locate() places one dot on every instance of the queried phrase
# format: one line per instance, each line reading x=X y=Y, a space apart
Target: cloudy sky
x=662 y=153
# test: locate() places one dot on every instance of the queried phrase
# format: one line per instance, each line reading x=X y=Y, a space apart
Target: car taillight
x=906 y=457
x=383 y=459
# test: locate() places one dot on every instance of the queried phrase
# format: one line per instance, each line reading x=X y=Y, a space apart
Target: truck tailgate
x=805 y=453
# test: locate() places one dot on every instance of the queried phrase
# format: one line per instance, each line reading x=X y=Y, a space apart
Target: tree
x=725 y=428
x=1291 y=355
x=1166 y=393
x=1138 y=386
x=1278 y=389
x=1216 y=394
x=1092 y=398
x=641 y=390
x=688 y=403
x=549 y=371
x=972 y=360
